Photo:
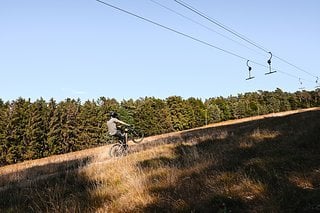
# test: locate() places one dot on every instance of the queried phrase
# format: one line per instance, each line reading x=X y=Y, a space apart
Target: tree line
x=31 y=130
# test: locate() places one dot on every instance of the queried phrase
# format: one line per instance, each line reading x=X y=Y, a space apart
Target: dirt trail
x=30 y=171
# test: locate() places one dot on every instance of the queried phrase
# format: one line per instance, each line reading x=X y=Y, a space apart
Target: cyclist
x=113 y=130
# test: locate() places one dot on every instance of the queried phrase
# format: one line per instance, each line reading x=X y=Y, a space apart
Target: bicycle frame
x=120 y=149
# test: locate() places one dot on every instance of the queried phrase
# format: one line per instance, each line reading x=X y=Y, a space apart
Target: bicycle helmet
x=113 y=114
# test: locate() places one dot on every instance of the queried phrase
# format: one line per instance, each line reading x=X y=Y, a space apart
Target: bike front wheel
x=136 y=136
x=117 y=150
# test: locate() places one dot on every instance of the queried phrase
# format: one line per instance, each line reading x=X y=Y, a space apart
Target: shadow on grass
x=207 y=176
x=55 y=187
x=285 y=166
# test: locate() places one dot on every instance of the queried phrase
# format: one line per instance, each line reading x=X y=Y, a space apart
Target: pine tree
x=178 y=112
x=16 y=130
x=223 y=106
x=196 y=112
x=89 y=125
x=36 y=130
x=55 y=128
x=3 y=126
x=152 y=116
x=69 y=125
x=213 y=113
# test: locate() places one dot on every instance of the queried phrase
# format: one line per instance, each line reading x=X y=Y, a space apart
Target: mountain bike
x=120 y=148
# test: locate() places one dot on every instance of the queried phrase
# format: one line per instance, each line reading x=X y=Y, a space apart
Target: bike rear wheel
x=117 y=150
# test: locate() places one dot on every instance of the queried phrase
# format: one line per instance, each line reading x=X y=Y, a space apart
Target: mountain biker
x=113 y=130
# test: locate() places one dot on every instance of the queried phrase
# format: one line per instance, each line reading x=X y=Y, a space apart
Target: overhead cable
x=189 y=7
x=187 y=36
x=175 y=31
x=202 y=25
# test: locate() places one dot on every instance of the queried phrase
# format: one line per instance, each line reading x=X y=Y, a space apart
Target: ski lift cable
x=175 y=31
x=187 y=36
x=204 y=26
x=210 y=29
x=283 y=60
x=189 y=7
x=180 y=33
x=293 y=76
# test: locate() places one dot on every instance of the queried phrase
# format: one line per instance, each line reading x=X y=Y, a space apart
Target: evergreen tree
x=36 y=130
x=63 y=128
x=197 y=112
x=152 y=116
x=262 y=107
x=55 y=129
x=284 y=100
x=16 y=130
x=3 y=137
x=69 y=128
x=239 y=108
x=179 y=113
x=315 y=96
x=272 y=103
x=89 y=126
x=126 y=111
x=224 y=106
x=213 y=113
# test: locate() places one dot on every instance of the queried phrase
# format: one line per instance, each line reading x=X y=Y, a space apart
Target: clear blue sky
x=60 y=49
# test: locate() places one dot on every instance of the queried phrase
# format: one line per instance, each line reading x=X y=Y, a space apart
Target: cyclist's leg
x=122 y=138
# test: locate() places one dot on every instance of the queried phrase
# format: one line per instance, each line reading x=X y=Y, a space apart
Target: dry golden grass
x=264 y=165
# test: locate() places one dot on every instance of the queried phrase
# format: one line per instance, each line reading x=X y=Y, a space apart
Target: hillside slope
x=264 y=163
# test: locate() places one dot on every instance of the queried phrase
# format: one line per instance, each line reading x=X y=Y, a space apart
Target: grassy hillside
x=269 y=164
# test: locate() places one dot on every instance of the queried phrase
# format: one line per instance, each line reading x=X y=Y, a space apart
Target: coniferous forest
x=32 y=130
